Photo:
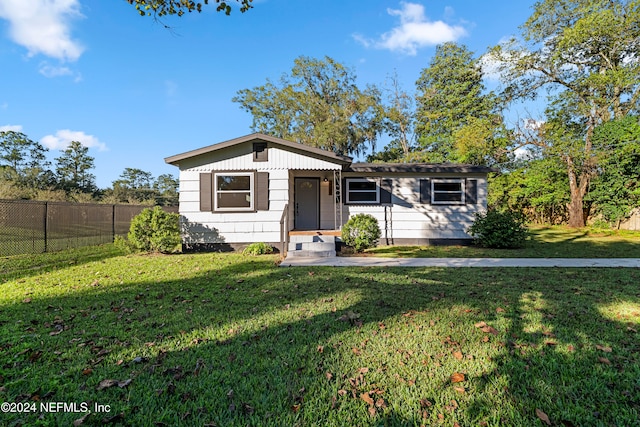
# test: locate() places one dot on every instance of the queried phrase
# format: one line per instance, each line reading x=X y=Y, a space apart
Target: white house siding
x=240 y=157
x=243 y=227
x=406 y=220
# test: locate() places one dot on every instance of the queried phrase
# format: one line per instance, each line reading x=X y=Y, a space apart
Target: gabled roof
x=419 y=168
x=316 y=152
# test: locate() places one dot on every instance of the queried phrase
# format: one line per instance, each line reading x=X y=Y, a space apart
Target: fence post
x=46 y=217
x=113 y=223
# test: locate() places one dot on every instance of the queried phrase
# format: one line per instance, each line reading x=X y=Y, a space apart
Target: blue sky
x=135 y=92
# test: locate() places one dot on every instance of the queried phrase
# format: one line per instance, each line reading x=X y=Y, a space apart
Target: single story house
x=259 y=188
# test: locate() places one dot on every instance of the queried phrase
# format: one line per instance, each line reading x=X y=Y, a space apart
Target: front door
x=307 y=201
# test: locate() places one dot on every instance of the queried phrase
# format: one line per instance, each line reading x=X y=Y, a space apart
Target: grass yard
x=231 y=340
x=545 y=242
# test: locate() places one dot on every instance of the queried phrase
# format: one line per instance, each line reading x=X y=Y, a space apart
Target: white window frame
x=251 y=192
x=358 y=202
x=447 y=202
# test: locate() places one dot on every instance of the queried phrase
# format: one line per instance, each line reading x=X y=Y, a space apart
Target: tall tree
x=134 y=186
x=73 y=169
x=399 y=115
x=318 y=104
x=585 y=54
x=166 y=186
x=23 y=161
x=398 y=118
x=160 y=8
x=451 y=95
x=615 y=192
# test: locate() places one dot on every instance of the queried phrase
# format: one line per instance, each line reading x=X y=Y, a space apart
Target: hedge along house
x=259 y=188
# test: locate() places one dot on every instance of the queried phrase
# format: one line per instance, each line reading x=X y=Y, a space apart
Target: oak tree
x=584 y=54
x=317 y=104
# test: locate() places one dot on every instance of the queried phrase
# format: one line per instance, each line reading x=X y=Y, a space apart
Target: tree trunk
x=578 y=186
x=576 y=215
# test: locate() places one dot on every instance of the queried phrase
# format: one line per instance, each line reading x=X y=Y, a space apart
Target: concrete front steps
x=312 y=246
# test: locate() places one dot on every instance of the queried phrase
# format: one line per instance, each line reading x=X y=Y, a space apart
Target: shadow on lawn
x=28 y=265
x=207 y=348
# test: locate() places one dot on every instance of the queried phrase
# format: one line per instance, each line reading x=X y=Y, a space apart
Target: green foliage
x=23 y=161
x=499 y=230
x=450 y=96
x=258 y=248
x=134 y=186
x=123 y=244
x=154 y=230
x=361 y=232
x=535 y=188
x=72 y=169
x=578 y=51
x=616 y=191
x=166 y=187
x=160 y=8
x=318 y=104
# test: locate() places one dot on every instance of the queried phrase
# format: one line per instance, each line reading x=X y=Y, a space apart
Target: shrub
x=361 y=232
x=499 y=230
x=258 y=248
x=154 y=230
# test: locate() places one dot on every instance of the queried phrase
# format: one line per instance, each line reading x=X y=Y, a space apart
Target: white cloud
x=4 y=106
x=52 y=71
x=414 y=31
x=11 y=128
x=43 y=26
x=62 y=139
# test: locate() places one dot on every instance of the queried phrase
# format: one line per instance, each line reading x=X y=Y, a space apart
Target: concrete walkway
x=460 y=262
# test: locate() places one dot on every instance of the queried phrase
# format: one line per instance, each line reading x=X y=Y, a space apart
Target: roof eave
x=174 y=160
x=419 y=168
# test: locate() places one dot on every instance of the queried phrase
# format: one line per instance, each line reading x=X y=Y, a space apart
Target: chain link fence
x=34 y=227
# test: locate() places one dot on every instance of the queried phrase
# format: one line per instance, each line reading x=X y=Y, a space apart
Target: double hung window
x=233 y=191
x=363 y=191
x=447 y=191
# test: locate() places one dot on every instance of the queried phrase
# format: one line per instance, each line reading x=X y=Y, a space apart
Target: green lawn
x=231 y=340
x=544 y=242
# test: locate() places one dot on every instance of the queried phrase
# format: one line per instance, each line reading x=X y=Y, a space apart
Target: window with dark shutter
x=362 y=191
x=447 y=191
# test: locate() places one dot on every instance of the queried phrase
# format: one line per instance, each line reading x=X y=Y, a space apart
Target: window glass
x=234 y=191
x=362 y=185
x=448 y=191
x=360 y=190
x=233 y=182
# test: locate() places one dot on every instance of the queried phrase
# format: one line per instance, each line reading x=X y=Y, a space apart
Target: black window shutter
x=471 y=191
x=206 y=192
x=386 y=190
x=425 y=191
x=262 y=191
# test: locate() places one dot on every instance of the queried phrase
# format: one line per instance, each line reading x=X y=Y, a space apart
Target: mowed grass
x=231 y=340
x=544 y=242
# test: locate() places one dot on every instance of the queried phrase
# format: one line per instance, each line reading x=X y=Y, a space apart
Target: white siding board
x=241 y=158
